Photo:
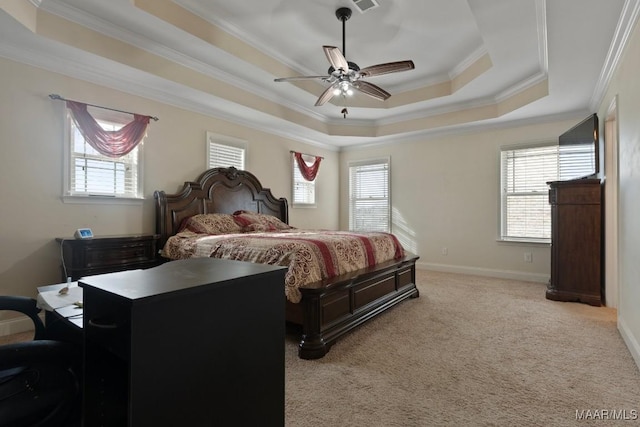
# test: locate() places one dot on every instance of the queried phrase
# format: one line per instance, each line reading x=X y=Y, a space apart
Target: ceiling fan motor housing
x=343 y=13
x=352 y=66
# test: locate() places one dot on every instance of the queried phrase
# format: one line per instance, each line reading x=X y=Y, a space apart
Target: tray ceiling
x=477 y=62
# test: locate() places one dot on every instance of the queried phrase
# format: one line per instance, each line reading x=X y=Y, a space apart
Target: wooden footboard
x=330 y=310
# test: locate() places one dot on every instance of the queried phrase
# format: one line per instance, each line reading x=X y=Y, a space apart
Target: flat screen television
x=579 y=150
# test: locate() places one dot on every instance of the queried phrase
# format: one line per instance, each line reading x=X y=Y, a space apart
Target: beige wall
x=33 y=214
x=625 y=86
x=445 y=194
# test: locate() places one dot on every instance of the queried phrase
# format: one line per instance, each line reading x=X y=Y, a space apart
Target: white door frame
x=611 y=186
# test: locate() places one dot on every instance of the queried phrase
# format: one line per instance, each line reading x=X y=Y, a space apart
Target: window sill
x=524 y=240
x=102 y=200
x=303 y=205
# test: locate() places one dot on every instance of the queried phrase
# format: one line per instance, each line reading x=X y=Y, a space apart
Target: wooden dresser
x=576 y=241
x=107 y=254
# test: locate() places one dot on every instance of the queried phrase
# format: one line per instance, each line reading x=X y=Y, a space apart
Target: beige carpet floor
x=471 y=351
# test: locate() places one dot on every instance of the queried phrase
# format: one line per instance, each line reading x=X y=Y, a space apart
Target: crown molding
x=626 y=23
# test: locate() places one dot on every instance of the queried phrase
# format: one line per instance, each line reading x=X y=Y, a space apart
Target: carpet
x=471 y=351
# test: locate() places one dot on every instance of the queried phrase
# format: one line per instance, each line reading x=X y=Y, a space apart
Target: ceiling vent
x=365 y=5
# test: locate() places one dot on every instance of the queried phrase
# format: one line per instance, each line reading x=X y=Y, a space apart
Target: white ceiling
x=478 y=62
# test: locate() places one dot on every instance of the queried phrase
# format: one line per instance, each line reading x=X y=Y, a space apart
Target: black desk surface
x=174 y=276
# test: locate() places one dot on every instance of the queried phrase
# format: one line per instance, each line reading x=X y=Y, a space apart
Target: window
x=525 y=171
x=526 y=213
x=575 y=161
x=224 y=151
x=89 y=173
x=303 y=192
x=369 y=201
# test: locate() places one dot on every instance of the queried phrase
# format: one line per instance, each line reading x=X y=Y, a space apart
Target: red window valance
x=108 y=143
x=309 y=172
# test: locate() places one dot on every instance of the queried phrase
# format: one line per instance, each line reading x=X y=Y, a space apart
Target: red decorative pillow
x=212 y=224
x=254 y=221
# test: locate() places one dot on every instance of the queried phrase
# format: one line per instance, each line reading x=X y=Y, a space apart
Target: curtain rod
x=305 y=154
x=59 y=98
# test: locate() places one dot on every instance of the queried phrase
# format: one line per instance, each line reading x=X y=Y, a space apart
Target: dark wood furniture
x=576 y=241
x=329 y=309
x=107 y=254
x=194 y=342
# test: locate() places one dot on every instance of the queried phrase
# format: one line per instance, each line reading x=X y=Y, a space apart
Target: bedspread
x=310 y=255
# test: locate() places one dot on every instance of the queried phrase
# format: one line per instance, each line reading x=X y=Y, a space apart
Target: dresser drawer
x=125 y=253
x=107 y=254
x=576 y=192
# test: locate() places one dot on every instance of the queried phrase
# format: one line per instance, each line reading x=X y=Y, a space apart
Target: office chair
x=39 y=381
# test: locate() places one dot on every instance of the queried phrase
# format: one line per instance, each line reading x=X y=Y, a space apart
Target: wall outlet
x=445 y=251
x=528 y=257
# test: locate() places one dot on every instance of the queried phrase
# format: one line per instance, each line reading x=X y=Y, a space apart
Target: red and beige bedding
x=310 y=255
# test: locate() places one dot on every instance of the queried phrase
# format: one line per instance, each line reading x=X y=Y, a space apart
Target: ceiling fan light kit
x=345 y=76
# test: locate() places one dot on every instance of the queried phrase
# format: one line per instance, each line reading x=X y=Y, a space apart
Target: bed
x=323 y=309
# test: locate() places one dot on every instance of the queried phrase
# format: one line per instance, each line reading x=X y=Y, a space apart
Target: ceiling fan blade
x=326 y=96
x=372 y=90
x=294 y=78
x=389 y=67
x=336 y=58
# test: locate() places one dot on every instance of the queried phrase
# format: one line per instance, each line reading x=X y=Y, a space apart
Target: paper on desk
x=69 y=311
x=53 y=299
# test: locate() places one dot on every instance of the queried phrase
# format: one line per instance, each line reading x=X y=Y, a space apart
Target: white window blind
x=224 y=151
x=526 y=213
x=92 y=174
x=369 y=196
x=303 y=191
x=576 y=161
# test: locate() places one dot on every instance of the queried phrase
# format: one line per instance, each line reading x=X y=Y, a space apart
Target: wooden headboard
x=217 y=190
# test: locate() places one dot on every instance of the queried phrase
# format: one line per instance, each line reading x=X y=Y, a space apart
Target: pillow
x=253 y=221
x=255 y=227
x=214 y=223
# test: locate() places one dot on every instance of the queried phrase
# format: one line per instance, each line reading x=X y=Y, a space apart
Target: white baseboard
x=15 y=326
x=487 y=272
x=629 y=339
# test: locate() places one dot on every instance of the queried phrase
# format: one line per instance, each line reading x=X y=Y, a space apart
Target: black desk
x=57 y=326
x=197 y=342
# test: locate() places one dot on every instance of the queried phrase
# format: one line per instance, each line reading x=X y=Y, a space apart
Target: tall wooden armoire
x=577 y=240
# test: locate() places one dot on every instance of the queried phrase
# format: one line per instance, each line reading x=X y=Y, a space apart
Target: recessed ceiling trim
x=468 y=62
x=103 y=27
x=260 y=106
x=242 y=35
x=521 y=86
x=372 y=131
x=146 y=88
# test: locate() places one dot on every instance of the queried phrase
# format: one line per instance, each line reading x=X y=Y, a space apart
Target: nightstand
x=107 y=254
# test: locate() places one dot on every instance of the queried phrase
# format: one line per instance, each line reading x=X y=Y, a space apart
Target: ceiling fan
x=344 y=76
